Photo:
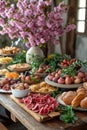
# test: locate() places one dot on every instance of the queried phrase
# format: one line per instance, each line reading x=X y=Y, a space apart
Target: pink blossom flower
x=32 y=21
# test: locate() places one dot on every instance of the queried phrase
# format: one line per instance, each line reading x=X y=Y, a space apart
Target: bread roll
x=81 y=89
x=63 y=94
x=67 y=97
x=76 y=101
x=83 y=103
x=85 y=86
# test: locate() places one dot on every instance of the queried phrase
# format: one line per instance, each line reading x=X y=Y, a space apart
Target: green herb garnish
x=18 y=58
x=55 y=60
x=55 y=93
x=72 y=69
x=36 y=62
x=67 y=115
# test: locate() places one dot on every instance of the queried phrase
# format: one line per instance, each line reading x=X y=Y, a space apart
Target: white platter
x=1 y=77
x=62 y=85
x=4 y=91
x=58 y=98
x=11 y=55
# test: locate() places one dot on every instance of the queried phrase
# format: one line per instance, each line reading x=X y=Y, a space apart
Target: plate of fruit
x=67 y=62
x=5 y=85
x=56 y=79
x=31 y=79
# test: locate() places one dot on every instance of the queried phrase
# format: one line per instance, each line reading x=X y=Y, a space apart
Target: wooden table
x=31 y=124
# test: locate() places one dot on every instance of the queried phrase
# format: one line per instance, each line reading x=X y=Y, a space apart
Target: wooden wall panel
x=71 y=36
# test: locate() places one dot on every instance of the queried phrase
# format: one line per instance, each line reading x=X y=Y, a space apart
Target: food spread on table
x=45 y=80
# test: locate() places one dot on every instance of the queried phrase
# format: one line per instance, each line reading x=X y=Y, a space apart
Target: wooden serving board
x=38 y=117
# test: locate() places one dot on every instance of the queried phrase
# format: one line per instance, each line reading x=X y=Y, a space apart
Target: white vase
x=34 y=51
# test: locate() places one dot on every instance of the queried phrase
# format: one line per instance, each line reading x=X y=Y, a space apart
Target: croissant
x=76 y=101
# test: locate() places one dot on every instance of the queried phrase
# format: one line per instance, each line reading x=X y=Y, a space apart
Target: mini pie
x=19 y=67
x=9 y=50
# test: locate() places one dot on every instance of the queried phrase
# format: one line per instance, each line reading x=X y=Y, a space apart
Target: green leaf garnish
x=67 y=115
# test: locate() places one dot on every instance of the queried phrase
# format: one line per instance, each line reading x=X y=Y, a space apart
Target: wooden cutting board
x=38 y=117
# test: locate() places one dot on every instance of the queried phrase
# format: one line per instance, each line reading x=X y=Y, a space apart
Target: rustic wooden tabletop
x=31 y=124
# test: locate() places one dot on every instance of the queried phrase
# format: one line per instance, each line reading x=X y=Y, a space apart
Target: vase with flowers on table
x=33 y=21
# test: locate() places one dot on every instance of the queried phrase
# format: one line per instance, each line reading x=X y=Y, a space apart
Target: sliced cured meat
x=42 y=104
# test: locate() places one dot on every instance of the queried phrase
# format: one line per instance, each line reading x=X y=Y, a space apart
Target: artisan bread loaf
x=85 y=86
x=67 y=97
x=80 y=90
x=76 y=101
x=83 y=103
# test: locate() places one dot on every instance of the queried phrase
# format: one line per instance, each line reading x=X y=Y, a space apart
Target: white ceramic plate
x=62 y=85
x=1 y=78
x=4 y=91
x=59 y=99
x=7 y=55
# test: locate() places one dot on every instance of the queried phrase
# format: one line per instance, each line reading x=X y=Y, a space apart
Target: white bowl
x=19 y=93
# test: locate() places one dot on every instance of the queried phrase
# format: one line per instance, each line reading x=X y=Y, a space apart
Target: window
x=81 y=16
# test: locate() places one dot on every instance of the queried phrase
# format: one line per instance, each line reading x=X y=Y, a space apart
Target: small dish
x=19 y=93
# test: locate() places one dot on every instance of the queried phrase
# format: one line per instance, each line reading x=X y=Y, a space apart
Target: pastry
x=5 y=60
x=9 y=50
x=76 y=101
x=43 y=90
x=83 y=103
x=34 y=87
x=3 y=71
x=63 y=94
x=42 y=87
x=19 y=67
x=67 y=97
x=80 y=89
x=85 y=85
x=42 y=84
